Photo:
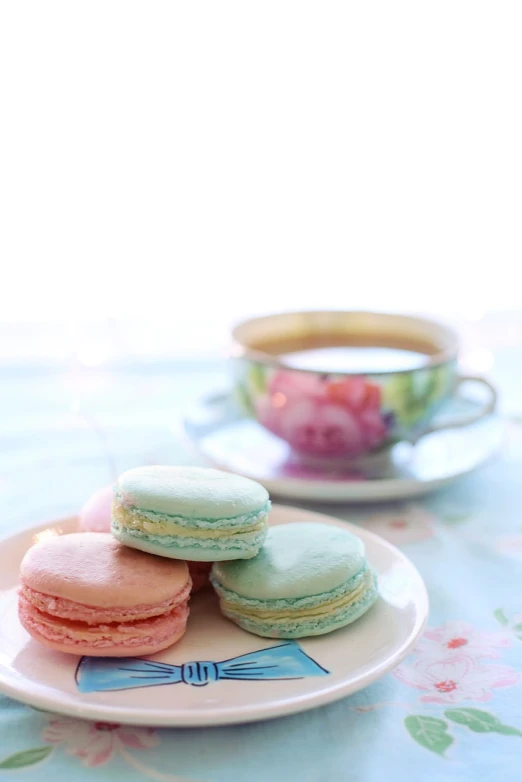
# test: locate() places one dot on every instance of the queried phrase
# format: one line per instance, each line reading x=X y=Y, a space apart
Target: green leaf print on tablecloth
x=501 y=617
x=28 y=757
x=433 y=734
x=480 y=721
x=514 y=625
x=429 y=732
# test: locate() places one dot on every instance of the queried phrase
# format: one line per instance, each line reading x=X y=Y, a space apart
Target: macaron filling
x=330 y=606
x=245 y=531
x=294 y=626
x=291 y=603
x=293 y=619
x=128 y=514
x=78 y=612
x=153 y=631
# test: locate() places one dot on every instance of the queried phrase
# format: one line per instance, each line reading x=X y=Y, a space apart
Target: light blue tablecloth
x=451 y=711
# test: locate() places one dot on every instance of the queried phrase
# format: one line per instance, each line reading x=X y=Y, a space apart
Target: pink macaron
x=89 y=595
x=95 y=516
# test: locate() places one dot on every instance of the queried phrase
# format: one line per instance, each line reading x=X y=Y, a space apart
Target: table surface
x=452 y=710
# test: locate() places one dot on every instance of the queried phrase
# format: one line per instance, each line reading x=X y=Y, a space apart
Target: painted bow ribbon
x=287 y=661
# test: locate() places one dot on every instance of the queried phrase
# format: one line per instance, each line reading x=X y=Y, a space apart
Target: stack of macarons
x=191 y=513
x=96 y=516
x=127 y=592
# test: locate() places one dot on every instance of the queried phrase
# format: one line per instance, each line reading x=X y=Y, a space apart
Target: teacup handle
x=465 y=419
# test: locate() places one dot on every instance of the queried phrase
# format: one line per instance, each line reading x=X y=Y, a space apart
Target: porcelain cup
x=345 y=416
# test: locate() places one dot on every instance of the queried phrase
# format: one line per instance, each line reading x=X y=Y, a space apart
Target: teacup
x=344 y=385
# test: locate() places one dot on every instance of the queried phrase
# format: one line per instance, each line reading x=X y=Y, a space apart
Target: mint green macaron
x=191 y=513
x=308 y=579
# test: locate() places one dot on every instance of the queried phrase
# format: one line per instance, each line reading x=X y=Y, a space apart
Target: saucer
x=241 y=677
x=227 y=439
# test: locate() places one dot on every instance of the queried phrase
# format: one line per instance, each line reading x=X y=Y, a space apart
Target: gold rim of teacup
x=380 y=329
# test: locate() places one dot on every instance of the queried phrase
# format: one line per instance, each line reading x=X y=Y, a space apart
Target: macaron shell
x=95 y=516
x=91 y=651
x=168 y=548
x=118 y=640
x=95 y=570
x=296 y=560
x=194 y=492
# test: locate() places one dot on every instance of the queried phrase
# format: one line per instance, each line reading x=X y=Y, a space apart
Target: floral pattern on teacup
x=319 y=416
x=415 y=396
x=341 y=416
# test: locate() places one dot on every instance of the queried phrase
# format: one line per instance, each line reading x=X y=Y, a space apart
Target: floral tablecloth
x=453 y=710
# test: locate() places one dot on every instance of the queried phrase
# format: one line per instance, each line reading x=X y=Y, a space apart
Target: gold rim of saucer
x=322 y=327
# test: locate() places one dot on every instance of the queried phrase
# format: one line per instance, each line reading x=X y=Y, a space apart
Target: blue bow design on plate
x=287 y=661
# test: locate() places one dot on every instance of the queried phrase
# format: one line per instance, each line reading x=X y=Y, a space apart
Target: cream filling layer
x=135 y=521
x=317 y=611
x=55 y=627
x=94 y=615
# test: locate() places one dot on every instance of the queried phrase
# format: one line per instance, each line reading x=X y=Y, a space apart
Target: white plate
x=354 y=656
x=228 y=440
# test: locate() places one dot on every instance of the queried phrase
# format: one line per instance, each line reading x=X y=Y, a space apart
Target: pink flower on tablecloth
x=458 y=637
x=456 y=678
x=96 y=742
x=412 y=525
x=511 y=545
x=321 y=417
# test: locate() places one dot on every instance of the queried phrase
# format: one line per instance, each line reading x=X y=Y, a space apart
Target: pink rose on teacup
x=322 y=417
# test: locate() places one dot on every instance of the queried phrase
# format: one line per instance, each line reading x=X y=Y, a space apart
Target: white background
x=175 y=166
